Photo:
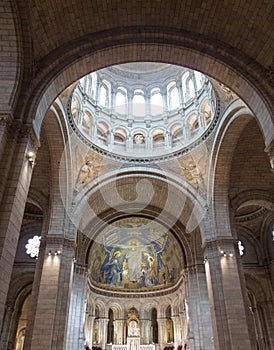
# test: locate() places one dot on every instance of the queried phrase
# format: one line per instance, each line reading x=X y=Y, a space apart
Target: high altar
x=133 y=338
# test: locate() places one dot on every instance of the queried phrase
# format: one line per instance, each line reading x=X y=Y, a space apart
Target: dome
x=142 y=110
x=135 y=254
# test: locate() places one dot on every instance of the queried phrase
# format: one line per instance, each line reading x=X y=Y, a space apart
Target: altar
x=133 y=339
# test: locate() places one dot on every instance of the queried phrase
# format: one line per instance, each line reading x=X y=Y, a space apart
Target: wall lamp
x=56 y=252
x=30 y=158
x=225 y=254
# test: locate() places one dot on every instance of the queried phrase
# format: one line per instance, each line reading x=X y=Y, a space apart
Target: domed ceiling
x=142 y=110
x=135 y=254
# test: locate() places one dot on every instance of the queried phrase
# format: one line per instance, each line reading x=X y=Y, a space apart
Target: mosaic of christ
x=135 y=253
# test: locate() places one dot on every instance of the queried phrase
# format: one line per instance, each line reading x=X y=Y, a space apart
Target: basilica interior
x=136 y=175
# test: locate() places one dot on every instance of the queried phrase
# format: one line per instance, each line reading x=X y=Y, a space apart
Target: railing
x=124 y=347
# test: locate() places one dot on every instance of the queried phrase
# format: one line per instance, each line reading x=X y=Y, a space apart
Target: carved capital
x=5 y=119
x=270 y=152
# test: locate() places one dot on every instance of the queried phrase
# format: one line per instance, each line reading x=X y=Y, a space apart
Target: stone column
x=89 y=328
x=177 y=331
x=75 y=335
x=103 y=324
x=48 y=314
x=226 y=295
x=146 y=337
x=184 y=326
x=198 y=309
x=161 y=332
x=118 y=331
x=15 y=177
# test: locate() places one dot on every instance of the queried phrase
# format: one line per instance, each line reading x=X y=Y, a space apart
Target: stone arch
x=48 y=85
x=57 y=136
x=184 y=193
x=250 y=243
x=234 y=122
x=10 y=73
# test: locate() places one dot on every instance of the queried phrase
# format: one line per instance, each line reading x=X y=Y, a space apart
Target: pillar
x=146 y=337
x=200 y=330
x=48 y=314
x=161 y=332
x=103 y=324
x=16 y=140
x=89 y=322
x=75 y=334
x=177 y=331
x=226 y=296
x=118 y=331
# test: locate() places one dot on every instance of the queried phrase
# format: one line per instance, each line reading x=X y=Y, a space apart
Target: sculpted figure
x=85 y=174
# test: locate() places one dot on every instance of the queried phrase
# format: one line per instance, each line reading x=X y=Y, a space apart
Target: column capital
x=270 y=152
x=219 y=240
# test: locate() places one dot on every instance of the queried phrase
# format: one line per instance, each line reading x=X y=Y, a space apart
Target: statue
x=85 y=174
x=133 y=330
x=139 y=139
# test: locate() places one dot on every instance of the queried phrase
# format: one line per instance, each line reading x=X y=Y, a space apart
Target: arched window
x=93 y=85
x=139 y=103
x=169 y=326
x=88 y=85
x=184 y=88
x=119 y=136
x=110 y=333
x=154 y=325
x=206 y=112
x=193 y=122
x=75 y=107
x=173 y=96
x=156 y=102
x=87 y=121
x=83 y=83
x=102 y=132
x=105 y=94
x=121 y=101
x=191 y=89
x=176 y=134
x=158 y=138
x=199 y=80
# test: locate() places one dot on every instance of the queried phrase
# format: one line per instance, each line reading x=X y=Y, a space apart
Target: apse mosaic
x=135 y=253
